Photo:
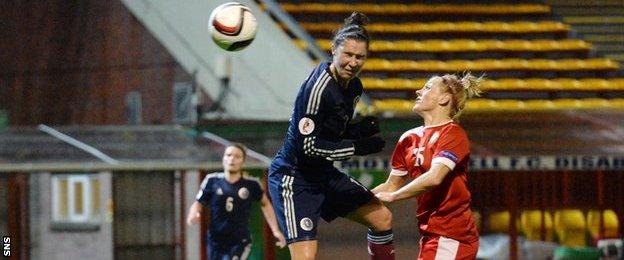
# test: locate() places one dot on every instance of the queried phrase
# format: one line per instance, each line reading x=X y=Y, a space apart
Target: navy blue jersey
x=230 y=206
x=318 y=131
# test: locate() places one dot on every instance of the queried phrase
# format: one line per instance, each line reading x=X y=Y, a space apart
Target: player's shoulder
x=211 y=177
x=414 y=133
x=252 y=179
x=455 y=129
x=320 y=76
x=214 y=176
x=356 y=85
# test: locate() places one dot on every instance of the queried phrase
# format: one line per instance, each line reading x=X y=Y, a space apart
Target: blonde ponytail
x=462 y=89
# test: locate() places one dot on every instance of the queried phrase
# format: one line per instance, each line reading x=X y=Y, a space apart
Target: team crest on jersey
x=306 y=224
x=219 y=191
x=243 y=193
x=434 y=137
x=306 y=126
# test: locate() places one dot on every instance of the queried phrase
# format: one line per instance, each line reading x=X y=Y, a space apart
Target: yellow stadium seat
x=480 y=104
x=517 y=45
x=595 y=84
x=567 y=103
x=540 y=105
x=531 y=224
x=610 y=220
x=543 y=64
x=570 y=227
x=542 y=84
x=597 y=63
x=567 y=83
x=616 y=83
x=498 y=222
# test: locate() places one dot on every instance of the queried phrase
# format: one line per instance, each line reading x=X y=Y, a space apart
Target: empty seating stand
x=600 y=22
x=529 y=56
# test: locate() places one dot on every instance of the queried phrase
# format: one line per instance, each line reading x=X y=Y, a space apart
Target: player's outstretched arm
x=393 y=183
x=269 y=215
x=418 y=186
x=194 y=215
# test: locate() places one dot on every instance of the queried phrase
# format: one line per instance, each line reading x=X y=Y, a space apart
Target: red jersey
x=445 y=209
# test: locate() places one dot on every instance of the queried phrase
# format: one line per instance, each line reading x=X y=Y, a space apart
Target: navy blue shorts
x=229 y=252
x=300 y=198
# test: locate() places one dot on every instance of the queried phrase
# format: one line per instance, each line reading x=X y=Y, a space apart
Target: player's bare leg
x=303 y=250
x=378 y=219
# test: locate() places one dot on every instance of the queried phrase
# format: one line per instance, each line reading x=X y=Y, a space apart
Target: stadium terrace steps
x=526 y=54
x=600 y=22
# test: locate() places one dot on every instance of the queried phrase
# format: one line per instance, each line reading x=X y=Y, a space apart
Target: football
x=232 y=26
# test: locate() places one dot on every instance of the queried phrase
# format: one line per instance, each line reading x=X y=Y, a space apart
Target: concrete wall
x=192 y=234
x=51 y=245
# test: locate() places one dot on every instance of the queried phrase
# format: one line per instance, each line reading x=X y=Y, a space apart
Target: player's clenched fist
x=386 y=196
x=193 y=218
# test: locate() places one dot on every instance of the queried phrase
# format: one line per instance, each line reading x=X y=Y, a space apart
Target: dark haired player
x=304 y=184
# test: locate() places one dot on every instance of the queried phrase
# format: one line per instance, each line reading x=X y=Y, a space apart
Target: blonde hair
x=461 y=89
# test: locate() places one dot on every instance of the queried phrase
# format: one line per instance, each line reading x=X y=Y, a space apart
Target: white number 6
x=229 y=204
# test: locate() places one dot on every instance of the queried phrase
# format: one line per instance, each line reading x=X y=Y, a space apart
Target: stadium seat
x=570 y=227
x=531 y=224
x=498 y=222
x=610 y=222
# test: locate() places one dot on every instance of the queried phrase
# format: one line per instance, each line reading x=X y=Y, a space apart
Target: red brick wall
x=73 y=62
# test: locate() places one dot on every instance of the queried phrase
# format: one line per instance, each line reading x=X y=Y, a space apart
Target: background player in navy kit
x=229 y=196
x=303 y=182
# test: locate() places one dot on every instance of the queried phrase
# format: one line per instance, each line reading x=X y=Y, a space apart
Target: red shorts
x=444 y=248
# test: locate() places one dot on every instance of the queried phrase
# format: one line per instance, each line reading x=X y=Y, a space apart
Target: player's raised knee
x=383 y=220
